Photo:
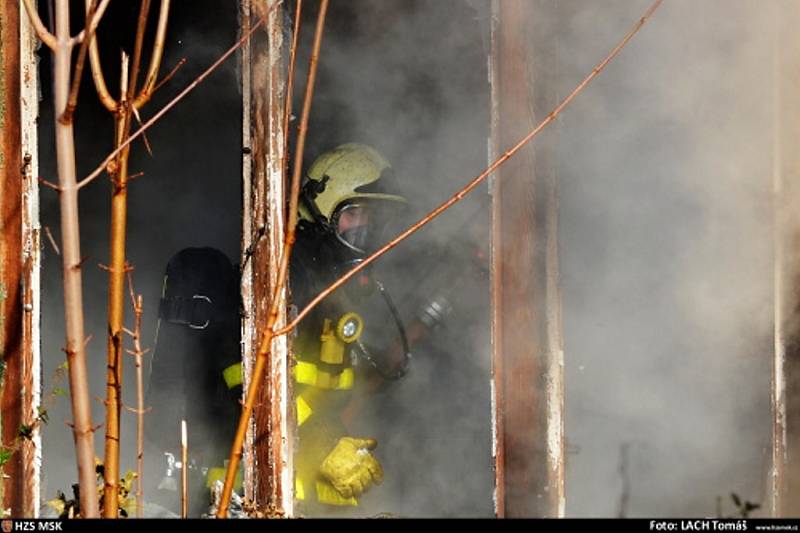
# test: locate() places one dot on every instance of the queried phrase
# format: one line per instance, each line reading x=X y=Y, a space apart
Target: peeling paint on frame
x=31 y=260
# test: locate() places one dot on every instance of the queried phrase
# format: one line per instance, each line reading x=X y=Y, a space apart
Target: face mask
x=364 y=226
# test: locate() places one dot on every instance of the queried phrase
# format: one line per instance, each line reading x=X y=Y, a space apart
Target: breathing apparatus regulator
x=348 y=200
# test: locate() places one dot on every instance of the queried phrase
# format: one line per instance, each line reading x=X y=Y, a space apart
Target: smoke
x=666 y=243
x=410 y=78
x=664 y=166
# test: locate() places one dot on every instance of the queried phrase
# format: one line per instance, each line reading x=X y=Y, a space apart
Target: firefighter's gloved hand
x=351 y=468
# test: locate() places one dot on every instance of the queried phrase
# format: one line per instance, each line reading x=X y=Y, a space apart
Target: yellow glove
x=351 y=468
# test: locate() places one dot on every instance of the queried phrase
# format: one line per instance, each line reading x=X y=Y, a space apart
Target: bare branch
x=155 y=59
x=116 y=283
x=138 y=411
x=79 y=264
x=72 y=100
x=287 y=113
x=52 y=240
x=92 y=22
x=137 y=52
x=144 y=135
x=477 y=180
x=49 y=184
x=130 y=291
x=172 y=103
x=41 y=31
x=100 y=86
x=169 y=76
x=137 y=352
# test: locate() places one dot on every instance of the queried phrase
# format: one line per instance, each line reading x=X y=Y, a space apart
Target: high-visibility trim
x=346 y=379
x=299 y=489
x=304 y=411
x=233 y=375
x=329 y=495
x=331 y=348
x=306 y=373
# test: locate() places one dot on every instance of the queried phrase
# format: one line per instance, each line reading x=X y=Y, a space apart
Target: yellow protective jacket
x=324 y=379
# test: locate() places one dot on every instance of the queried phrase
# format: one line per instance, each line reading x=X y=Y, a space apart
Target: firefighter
x=347 y=206
x=193 y=373
x=355 y=342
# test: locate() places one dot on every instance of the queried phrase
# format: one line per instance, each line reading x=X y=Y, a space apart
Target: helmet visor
x=364 y=225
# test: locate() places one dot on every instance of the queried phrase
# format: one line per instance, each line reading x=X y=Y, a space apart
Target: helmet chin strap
x=308 y=193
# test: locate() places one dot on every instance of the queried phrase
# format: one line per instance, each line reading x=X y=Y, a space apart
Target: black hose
x=403 y=337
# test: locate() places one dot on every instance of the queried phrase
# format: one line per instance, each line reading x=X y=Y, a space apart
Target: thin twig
x=169 y=76
x=477 y=180
x=100 y=85
x=135 y=410
x=146 y=141
x=41 y=31
x=49 y=184
x=277 y=301
x=155 y=59
x=137 y=51
x=287 y=113
x=92 y=23
x=132 y=295
x=138 y=353
x=50 y=238
x=164 y=110
x=72 y=101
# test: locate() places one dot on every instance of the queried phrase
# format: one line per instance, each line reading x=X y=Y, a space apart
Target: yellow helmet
x=350 y=176
x=350 y=171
